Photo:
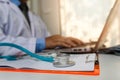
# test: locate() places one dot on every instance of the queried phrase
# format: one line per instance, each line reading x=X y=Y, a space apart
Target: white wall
x=85 y=19
x=49 y=12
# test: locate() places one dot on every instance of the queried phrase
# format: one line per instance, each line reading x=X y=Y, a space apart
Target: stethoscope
x=61 y=60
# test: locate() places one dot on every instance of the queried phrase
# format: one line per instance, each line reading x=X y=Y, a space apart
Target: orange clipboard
x=96 y=71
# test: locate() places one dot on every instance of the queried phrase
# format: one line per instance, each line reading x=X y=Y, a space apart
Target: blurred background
x=83 y=19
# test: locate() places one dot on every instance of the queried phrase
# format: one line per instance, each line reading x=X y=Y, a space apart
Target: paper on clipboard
x=84 y=62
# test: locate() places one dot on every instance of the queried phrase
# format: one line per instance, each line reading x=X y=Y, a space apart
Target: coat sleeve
x=39 y=25
x=28 y=43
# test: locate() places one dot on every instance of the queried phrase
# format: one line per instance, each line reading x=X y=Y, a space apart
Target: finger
x=63 y=44
x=67 y=42
x=70 y=42
x=77 y=41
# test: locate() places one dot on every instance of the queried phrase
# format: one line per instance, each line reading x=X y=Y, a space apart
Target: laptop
x=96 y=46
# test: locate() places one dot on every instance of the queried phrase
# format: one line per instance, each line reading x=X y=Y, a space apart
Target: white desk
x=109 y=67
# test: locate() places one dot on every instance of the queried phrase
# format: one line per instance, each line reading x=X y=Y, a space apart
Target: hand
x=60 y=41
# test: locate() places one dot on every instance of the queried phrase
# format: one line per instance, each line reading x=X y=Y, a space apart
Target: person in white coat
x=29 y=32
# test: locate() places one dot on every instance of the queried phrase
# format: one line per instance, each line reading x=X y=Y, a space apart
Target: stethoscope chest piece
x=62 y=60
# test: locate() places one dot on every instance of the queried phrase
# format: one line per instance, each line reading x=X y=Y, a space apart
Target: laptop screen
x=107 y=26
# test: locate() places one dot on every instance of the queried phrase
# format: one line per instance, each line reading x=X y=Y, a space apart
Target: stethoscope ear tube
x=43 y=58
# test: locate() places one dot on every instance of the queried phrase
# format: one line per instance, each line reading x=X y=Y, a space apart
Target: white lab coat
x=14 y=28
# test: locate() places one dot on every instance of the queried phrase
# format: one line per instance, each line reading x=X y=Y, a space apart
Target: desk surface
x=109 y=70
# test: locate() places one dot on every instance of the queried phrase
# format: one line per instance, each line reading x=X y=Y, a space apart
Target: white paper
x=79 y=59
